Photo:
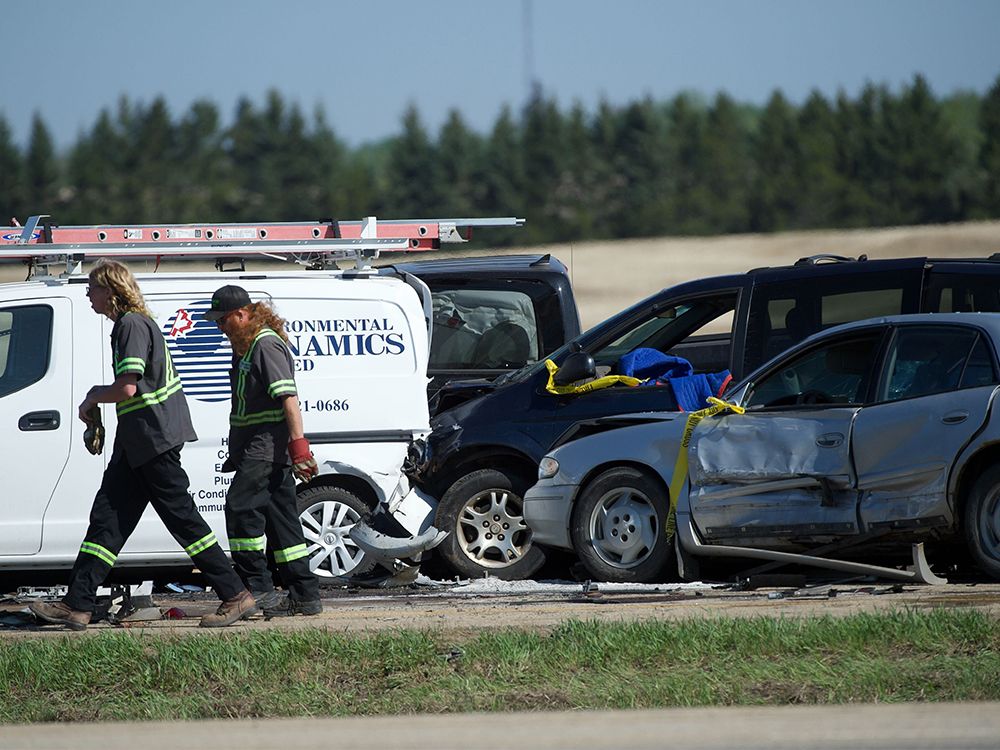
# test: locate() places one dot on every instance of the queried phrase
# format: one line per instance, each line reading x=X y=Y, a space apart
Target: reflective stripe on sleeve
x=130 y=364
x=281 y=388
x=102 y=553
x=142 y=400
x=290 y=553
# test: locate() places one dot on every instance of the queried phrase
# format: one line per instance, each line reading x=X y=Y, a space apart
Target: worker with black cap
x=268 y=451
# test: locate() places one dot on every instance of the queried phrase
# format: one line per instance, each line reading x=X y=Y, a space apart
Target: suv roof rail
x=814 y=260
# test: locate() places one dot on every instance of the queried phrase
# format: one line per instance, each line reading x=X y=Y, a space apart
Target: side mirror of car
x=578 y=366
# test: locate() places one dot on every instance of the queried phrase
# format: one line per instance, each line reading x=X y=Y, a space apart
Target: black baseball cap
x=225 y=300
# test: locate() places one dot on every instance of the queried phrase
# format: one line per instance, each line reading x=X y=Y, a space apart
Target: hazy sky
x=365 y=61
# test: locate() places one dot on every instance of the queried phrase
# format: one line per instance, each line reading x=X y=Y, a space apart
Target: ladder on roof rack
x=41 y=243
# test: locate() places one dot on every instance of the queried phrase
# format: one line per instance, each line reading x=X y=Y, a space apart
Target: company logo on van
x=200 y=352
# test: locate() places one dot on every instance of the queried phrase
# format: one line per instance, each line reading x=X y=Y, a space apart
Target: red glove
x=303 y=464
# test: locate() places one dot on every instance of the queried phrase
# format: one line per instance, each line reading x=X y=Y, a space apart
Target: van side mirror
x=578 y=366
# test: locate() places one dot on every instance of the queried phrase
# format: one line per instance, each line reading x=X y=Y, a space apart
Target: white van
x=360 y=341
x=360 y=345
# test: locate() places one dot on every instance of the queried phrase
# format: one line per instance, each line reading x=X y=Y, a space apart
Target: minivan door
x=37 y=414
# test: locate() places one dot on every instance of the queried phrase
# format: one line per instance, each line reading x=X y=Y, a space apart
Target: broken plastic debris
x=174 y=613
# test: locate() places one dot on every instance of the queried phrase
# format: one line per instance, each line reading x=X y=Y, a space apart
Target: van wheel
x=618 y=530
x=327 y=515
x=982 y=522
x=484 y=511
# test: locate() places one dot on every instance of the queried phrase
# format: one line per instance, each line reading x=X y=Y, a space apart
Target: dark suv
x=483 y=454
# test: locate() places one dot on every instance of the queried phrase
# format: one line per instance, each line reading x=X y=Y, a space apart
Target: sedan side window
x=25 y=341
x=934 y=359
x=837 y=372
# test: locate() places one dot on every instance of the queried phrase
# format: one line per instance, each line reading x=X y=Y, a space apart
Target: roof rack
x=41 y=243
x=815 y=260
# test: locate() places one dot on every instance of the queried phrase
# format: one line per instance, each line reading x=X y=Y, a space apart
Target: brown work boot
x=239 y=607
x=59 y=613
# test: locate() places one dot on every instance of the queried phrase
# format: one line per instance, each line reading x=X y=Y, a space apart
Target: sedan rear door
x=933 y=396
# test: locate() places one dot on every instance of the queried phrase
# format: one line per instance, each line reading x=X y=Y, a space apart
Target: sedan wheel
x=982 y=522
x=327 y=515
x=617 y=527
x=484 y=511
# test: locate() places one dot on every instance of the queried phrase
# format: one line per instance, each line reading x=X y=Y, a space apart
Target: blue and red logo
x=200 y=352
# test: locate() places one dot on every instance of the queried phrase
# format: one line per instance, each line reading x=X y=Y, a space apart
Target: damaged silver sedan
x=853 y=448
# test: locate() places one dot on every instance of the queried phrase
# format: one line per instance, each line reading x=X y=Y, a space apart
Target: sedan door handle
x=830 y=440
x=955 y=417
x=39 y=420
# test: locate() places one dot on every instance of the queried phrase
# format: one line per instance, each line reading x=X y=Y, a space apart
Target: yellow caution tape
x=593 y=385
x=681 y=466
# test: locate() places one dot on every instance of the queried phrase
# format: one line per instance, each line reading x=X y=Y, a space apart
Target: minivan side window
x=687 y=329
x=25 y=345
x=786 y=312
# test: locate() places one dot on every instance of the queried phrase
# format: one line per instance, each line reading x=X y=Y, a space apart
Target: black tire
x=503 y=547
x=982 y=522
x=617 y=527
x=332 y=554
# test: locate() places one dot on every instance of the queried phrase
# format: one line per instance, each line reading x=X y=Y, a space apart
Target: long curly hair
x=262 y=315
x=125 y=294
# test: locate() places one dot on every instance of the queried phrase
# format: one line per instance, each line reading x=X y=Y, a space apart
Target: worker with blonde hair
x=145 y=465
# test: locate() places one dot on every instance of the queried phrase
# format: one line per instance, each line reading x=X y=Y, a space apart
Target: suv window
x=25 y=342
x=483 y=328
x=835 y=373
x=934 y=359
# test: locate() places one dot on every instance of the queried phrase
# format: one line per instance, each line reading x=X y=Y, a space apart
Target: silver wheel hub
x=326 y=527
x=624 y=528
x=491 y=529
x=989 y=526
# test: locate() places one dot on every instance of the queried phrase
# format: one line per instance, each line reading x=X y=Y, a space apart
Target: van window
x=483 y=329
x=25 y=343
x=963 y=292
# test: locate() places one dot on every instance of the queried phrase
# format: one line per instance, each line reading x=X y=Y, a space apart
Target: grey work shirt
x=156 y=418
x=260 y=380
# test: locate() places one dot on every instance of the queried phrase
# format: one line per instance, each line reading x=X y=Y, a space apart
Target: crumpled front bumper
x=547 y=511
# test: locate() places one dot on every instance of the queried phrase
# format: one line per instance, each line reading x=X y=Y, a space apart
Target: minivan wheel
x=982 y=522
x=327 y=515
x=484 y=511
x=617 y=527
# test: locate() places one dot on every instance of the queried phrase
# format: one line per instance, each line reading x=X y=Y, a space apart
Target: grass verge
x=937 y=655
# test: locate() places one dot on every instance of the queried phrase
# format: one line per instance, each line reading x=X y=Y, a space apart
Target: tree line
x=687 y=166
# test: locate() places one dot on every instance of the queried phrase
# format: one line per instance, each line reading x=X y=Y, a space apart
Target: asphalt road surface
x=908 y=726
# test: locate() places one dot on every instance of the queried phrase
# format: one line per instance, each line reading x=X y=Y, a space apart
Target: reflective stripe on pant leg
x=290 y=553
x=251 y=544
x=102 y=553
x=202 y=544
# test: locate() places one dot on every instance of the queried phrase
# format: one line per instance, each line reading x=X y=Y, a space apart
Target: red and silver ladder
x=41 y=243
